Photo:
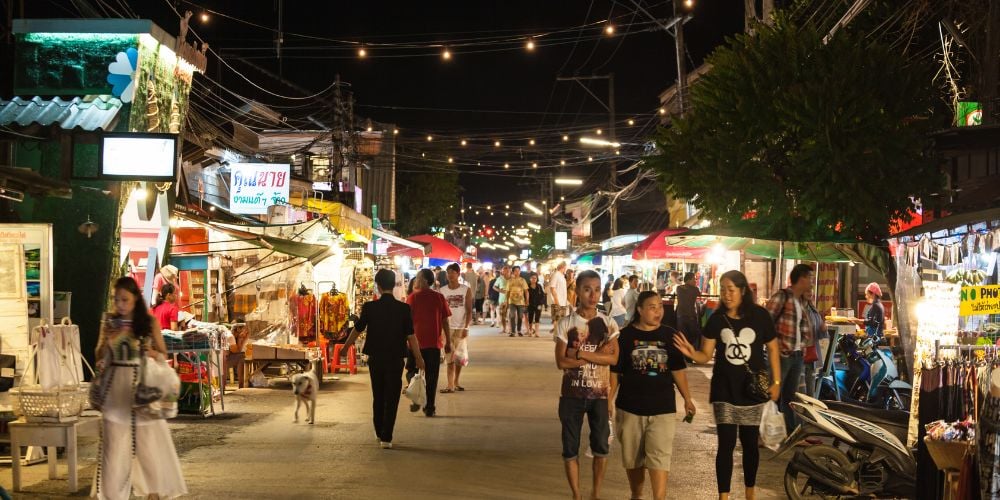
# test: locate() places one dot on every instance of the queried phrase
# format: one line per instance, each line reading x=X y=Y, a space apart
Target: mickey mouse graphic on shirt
x=738 y=346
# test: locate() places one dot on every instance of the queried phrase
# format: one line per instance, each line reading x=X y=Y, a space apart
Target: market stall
x=948 y=302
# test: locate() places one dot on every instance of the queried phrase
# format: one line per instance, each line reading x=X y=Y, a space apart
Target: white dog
x=305 y=386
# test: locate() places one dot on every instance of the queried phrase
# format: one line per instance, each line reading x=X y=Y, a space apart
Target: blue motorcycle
x=865 y=374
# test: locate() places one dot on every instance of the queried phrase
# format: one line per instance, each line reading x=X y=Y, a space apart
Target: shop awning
x=952 y=222
x=623 y=250
x=251 y=235
x=396 y=240
x=352 y=225
x=440 y=249
x=656 y=247
x=592 y=258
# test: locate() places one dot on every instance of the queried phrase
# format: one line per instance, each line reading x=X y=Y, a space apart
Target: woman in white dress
x=137 y=454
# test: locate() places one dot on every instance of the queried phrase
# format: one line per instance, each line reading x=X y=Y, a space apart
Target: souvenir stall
x=948 y=303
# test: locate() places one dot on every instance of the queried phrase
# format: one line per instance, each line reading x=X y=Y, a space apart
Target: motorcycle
x=859 y=457
x=866 y=375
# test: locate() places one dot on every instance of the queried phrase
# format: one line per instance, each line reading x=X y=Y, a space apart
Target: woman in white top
x=618 y=311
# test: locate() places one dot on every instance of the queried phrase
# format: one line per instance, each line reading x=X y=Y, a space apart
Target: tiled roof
x=88 y=114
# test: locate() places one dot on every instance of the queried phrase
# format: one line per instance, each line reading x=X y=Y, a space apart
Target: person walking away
x=501 y=288
x=570 y=293
x=390 y=331
x=480 y=299
x=536 y=299
x=557 y=289
x=631 y=296
x=688 y=321
x=136 y=455
x=165 y=309
x=517 y=301
x=492 y=299
x=617 y=312
x=649 y=366
x=735 y=336
x=789 y=311
x=586 y=346
x=459 y=299
x=471 y=279
x=430 y=314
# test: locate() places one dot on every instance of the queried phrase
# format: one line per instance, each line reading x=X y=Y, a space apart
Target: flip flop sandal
x=459 y=388
x=446 y=391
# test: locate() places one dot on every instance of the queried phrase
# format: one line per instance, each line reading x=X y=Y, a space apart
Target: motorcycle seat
x=877 y=416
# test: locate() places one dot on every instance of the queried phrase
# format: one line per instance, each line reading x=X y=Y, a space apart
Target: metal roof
x=89 y=113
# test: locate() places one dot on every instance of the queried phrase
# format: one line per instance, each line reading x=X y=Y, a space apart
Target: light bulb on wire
x=562 y=162
x=530 y=45
x=464 y=142
x=610 y=29
x=204 y=17
x=446 y=55
x=362 y=53
x=531 y=142
x=496 y=144
x=430 y=138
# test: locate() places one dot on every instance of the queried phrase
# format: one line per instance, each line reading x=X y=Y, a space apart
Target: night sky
x=484 y=93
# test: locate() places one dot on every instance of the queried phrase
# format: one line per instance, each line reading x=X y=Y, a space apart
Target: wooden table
x=50 y=435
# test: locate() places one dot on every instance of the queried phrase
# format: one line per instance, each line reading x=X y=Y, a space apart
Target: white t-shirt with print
x=590 y=381
x=456 y=302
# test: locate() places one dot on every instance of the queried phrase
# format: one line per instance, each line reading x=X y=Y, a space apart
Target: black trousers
x=432 y=360
x=387 y=383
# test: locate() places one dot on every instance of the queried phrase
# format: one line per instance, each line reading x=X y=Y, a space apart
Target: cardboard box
x=258 y=352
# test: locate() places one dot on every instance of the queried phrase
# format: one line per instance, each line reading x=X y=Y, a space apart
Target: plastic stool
x=325 y=355
x=352 y=359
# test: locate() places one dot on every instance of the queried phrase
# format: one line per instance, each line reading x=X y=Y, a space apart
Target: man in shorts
x=558 y=292
x=501 y=287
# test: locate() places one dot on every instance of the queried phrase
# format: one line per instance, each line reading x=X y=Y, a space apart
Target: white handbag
x=59 y=362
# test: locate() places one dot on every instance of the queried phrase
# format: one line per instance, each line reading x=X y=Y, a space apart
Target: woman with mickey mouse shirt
x=735 y=336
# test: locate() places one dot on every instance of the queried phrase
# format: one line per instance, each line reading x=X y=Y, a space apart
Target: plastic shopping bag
x=772 y=426
x=417 y=390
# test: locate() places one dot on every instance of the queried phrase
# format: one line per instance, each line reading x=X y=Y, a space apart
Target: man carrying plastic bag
x=416 y=392
x=389 y=324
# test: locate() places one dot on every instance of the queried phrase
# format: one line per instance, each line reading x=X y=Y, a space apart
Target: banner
x=256 y=186
x=979 y=300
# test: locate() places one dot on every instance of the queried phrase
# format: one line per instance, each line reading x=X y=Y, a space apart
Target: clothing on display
x=333 y=312
x=303 y=309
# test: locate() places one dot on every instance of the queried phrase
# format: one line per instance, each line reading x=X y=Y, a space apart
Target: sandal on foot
x=459 y=388
x=446 y=391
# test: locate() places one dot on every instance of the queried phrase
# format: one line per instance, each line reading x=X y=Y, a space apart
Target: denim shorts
x=571 y=412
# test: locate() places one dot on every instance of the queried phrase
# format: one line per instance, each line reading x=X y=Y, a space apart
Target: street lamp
x=599 y=142
x=533 y=208
x=568 y=181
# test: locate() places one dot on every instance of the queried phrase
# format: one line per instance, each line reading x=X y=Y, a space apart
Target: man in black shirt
x=390 y=328
x=687 y=310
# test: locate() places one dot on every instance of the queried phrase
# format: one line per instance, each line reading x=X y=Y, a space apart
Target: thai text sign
x=976 y=300
x=256 y=186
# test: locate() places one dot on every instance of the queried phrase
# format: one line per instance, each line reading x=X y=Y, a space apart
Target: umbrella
x=656 y=247
x=440 y=249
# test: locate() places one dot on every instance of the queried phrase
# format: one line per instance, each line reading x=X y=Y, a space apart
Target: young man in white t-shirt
x=557 y=290
x=459 y=299
x=585 y=350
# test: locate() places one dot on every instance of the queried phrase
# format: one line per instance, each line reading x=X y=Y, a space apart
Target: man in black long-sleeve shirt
x=390 y=328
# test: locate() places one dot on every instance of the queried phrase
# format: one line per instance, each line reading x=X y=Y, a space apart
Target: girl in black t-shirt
x=649 y=366
x=735 y=337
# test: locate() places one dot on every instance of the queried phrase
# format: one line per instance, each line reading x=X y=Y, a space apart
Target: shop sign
x=562 y=240
x=979 y=300
x=256 y=186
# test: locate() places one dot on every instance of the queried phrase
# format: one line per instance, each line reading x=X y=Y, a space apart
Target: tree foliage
x=810 y=138
x=542 y=243
x=426 y=198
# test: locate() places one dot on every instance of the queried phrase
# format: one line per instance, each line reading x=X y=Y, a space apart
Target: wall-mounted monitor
x=139 y=157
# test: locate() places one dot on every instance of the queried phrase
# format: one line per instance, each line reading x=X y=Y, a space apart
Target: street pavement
x=499 y=439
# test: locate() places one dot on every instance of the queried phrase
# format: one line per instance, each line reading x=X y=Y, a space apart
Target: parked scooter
x=866 y=375
x=858 y=457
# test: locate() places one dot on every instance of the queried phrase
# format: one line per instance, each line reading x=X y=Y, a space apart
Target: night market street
x=497 y=440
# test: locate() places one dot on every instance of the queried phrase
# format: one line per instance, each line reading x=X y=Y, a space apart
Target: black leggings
x=724 y=458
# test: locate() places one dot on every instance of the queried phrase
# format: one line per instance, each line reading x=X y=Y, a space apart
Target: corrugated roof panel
x=88 y=114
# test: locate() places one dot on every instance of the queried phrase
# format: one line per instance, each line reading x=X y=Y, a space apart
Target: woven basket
x=57 y=405
x=948 y=455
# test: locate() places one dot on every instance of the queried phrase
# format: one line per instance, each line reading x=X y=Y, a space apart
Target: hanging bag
x=417 y=390
x=772 y=426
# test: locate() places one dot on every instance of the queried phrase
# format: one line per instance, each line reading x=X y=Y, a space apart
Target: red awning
x=655 y=247
x=440 y=249
x=397 y=249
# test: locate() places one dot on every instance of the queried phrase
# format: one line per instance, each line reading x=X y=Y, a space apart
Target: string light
x=451 y=160
x=507 y=207
x=663 y=111
x=590 y=158
x=565 y=138
x=531 y=142
x=631 y=122
x=430 y=138
x=534 y=165
x=370 y=129
x=506 y=165
x=496 y=144
x=464 y=142
x=530 y=45
x=562 y=162
x=562 y=198
x=362 y=53
x=599 y=131
x=395 y=131
x=204 y=17
x=610 y=29
x=446 y=55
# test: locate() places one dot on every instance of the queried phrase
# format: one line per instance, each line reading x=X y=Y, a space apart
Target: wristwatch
x=776 y=382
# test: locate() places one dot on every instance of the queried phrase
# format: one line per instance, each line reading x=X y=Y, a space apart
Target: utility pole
x=681 y=66
x=610 y=107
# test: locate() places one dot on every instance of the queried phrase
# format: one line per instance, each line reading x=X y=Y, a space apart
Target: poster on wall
x=256 y=186
x=11 y=279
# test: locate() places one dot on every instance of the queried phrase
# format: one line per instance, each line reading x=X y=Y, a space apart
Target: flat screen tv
x=139 y=157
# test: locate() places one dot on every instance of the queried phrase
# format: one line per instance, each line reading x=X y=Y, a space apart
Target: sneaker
x=414 y=407
x=385 y=445
x=429 y=413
